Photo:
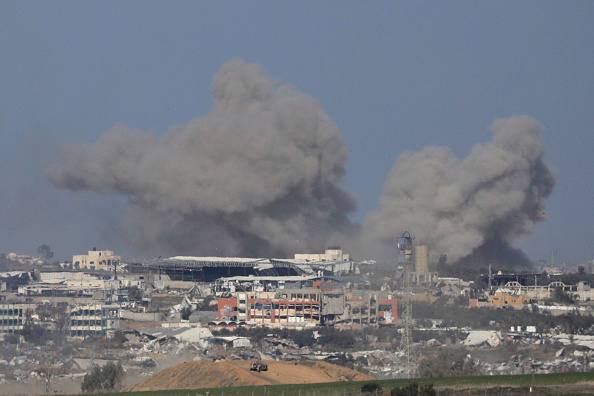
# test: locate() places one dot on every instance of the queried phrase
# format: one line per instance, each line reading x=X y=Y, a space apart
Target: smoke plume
x=261 y=175
x=475 y=207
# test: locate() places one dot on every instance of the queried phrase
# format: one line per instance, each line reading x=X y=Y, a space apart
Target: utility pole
x=405 y=249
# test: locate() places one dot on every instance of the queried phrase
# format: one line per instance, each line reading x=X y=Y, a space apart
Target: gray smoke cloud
x=261 y=175
x=475 y=207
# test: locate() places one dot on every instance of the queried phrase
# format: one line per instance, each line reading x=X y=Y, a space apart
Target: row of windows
x=86 y=333
x=88 y=323
x=108 y=262
x=11 y=312
x=384 y=307
x=87 y=312
x=95 y=312
x=282 y=317
x=11 y=322
x=300 y=296
x=297 y=307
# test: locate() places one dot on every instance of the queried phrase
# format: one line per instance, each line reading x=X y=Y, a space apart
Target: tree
x=33 y=332
x=118 y=338
x=45 y=253
x=560 y=296
x=371 y=387
x=134 y=293
x=92 y=381
x=581 y=270
x=106 y=377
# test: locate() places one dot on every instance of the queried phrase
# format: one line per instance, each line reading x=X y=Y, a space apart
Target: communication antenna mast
x=405 y=249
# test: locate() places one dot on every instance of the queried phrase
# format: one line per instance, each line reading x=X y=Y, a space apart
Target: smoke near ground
x=471 y=209
x=261 y=175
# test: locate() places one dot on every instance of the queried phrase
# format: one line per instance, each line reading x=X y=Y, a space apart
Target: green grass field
x=498 y=385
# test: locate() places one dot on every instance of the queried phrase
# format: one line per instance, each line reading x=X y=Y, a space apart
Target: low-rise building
x=24 y=259
x=504 y=298
x=96 y=260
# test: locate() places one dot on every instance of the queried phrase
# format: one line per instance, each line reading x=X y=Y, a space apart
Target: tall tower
x=405 y=258
x=421 y=258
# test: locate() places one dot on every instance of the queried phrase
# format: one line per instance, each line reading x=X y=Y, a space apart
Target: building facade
x=333 y=253
x=308 y=306
x=12 y=317
x=104 y=260
x=505 y=298
x=94 y=320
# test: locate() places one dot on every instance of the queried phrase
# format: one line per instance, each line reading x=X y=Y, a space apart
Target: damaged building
x=94 y=320
x=311 y=306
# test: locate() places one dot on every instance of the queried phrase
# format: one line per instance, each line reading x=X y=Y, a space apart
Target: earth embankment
x=222 y=374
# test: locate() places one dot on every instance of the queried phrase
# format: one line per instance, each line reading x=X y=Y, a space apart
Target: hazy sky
x=394 y=76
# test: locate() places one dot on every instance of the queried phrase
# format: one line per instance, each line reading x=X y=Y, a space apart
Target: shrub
x=371 y=387
x=413 y=389
x=106 y=377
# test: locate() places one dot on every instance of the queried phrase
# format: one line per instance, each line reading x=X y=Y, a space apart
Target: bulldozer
x=258 y=366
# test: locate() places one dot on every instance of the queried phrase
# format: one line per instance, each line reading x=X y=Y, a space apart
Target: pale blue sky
x=394 y=76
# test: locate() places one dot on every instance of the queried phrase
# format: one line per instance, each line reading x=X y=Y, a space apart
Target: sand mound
x=220 y=374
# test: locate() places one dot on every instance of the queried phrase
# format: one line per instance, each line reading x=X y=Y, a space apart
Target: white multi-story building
x=96 y=260
x=94 y=320
x=12 y=317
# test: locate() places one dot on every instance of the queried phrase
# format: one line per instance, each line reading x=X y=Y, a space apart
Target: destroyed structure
x=173 y=306
x=208 y=269
x=324 y=304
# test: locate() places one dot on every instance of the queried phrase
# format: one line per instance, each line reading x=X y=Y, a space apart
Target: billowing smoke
x=475 y=207
x=261 y=175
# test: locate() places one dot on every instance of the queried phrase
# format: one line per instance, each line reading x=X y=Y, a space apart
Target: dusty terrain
x=220 y=374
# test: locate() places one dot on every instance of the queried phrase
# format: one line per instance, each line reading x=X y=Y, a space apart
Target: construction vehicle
x=258 y=366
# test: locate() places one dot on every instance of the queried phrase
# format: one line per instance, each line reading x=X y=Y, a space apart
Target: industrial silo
x=421 y=258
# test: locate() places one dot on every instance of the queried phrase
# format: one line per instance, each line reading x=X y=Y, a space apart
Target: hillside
x=222 y=374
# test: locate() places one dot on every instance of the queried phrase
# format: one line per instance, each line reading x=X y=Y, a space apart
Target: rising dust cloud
x=262 y=175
